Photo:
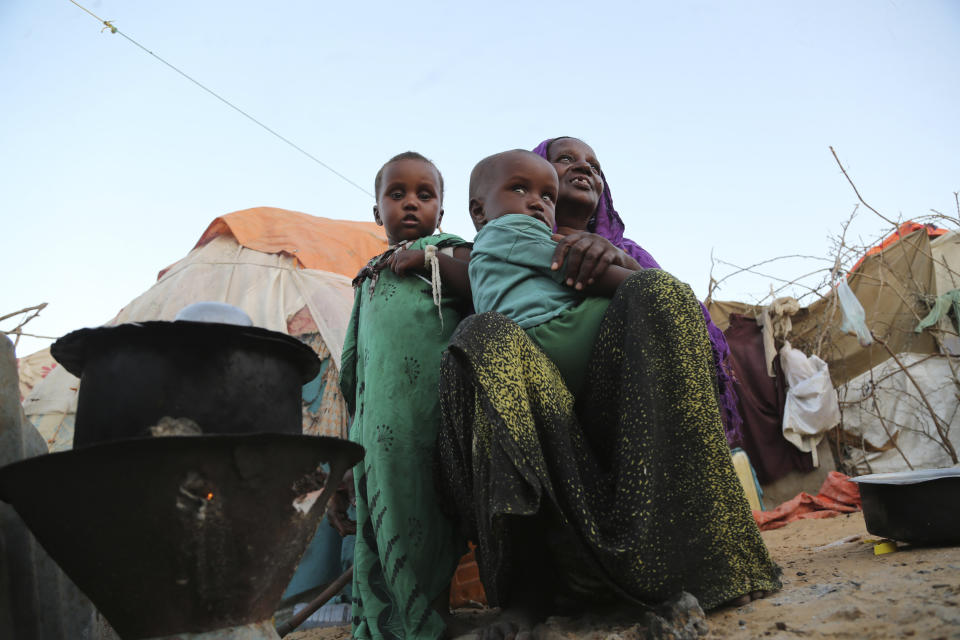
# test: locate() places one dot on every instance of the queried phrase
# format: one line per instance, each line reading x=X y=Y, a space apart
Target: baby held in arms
x=512 y=201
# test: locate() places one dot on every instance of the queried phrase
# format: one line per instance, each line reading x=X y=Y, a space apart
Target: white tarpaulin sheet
x=906 y=422
x=271 y=288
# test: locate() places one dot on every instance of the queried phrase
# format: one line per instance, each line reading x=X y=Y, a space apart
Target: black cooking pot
x=918 y=507
x=225 y=378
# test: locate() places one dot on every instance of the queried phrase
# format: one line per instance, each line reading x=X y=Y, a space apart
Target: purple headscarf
x=607 y=223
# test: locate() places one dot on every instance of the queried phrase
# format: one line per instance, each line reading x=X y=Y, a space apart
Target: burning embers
x=195 y=495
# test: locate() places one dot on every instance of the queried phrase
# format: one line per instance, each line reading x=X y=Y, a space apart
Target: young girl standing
x=406 y=305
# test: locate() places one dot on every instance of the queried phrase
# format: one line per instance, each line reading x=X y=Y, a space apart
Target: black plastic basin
x=918 y=507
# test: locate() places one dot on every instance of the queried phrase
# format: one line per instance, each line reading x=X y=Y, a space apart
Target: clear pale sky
x=712 y=121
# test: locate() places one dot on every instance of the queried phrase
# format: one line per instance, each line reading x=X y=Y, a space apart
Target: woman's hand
x=406 y=260
x=588 y=255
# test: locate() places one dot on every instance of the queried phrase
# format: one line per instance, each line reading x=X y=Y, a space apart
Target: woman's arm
x=588 y=257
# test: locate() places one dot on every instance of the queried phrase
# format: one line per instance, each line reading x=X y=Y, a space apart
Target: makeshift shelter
x=32 y=369
x=291 y=272
x=897 y=395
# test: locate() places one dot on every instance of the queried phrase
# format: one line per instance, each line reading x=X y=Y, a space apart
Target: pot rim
x=908 y=477
x=74 y=349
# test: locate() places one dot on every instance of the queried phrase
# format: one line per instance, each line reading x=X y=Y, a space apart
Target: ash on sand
x=833 y=587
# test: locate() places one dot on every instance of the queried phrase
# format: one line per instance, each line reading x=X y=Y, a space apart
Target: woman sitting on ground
x=623 y=494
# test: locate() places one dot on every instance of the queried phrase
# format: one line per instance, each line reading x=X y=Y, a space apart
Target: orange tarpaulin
x=837 y=495
x=903 y=230
x=340 y=246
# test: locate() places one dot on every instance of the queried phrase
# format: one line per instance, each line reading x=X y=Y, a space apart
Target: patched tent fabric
x=902 y=231
x=34 y=368
x=885 y=283
x=277 y=290
x=886 y=425
x=321 y=244
x=51 y=407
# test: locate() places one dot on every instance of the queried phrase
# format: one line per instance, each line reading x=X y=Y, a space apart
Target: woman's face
x=579 y=172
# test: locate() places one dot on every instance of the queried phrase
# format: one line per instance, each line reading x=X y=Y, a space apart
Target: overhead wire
x=108 y=24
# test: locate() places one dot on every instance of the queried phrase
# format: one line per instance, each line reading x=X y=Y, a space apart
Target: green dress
x=406 y=550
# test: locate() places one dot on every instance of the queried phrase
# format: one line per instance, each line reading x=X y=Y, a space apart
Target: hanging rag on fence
x=854 y=317
x=811 y=408
x=776 y=325
x=942 y=306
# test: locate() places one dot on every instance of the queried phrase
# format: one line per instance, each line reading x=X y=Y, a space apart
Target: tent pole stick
x=316 y=603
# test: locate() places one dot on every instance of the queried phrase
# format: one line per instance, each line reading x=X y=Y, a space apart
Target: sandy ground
x=834 y=586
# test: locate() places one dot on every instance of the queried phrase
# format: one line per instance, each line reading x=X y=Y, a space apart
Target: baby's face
x=522 y=183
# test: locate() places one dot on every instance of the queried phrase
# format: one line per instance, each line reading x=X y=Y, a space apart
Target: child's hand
x=406 y=260
x=337 y=507
x=337 y=515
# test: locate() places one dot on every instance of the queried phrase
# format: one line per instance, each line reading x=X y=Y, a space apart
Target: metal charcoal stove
x=182 y=537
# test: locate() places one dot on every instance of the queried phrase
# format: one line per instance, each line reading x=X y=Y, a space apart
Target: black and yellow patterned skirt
x=632 y=482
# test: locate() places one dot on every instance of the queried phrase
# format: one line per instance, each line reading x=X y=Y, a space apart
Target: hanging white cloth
x=811 y=408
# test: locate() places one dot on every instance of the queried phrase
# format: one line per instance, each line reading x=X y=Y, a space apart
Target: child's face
x=408 y=205
x=520 y=183
x=578 y=170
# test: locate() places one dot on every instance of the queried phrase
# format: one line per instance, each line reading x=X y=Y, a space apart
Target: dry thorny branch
x=28 y=313
x=915 y=295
